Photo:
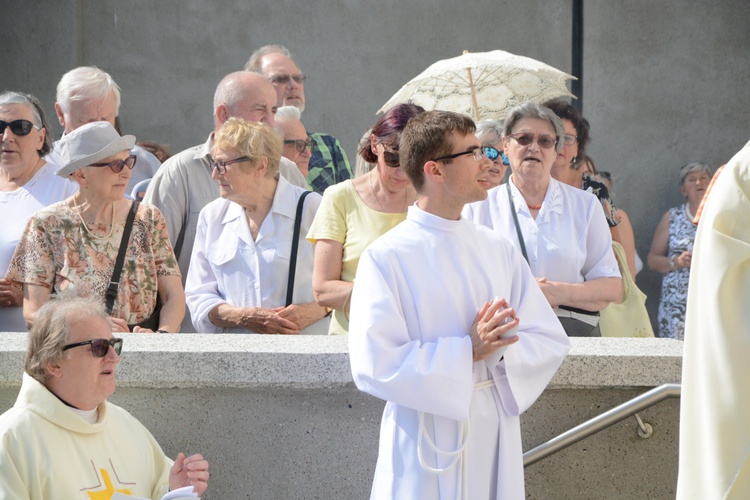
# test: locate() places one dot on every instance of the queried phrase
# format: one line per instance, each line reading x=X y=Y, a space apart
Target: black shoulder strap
x=515 y=221
x=114 y=283
x=295 y=246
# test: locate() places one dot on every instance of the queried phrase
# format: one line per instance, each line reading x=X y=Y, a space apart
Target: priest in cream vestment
x=431 y=300
x=715 y=404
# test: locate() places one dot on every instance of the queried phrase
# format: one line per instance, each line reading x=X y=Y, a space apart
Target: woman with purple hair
x=356 y=212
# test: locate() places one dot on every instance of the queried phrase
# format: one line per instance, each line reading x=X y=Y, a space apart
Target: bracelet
x=161 y=331
x=328 y=311
x=673 y=261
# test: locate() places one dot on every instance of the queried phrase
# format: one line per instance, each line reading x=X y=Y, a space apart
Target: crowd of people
x=452 y=243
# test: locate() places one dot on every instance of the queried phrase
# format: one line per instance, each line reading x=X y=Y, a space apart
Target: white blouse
x=569 y=241
x=227 y=266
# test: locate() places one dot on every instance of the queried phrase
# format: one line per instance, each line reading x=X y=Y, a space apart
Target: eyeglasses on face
x=221 y=166
x=569 y=140
x=300 y=144
x=18 y=127
x=476 y=153
x=118 y=165
x=285 y=79
x=390 y=157
x=525 y=139
x=99 y=347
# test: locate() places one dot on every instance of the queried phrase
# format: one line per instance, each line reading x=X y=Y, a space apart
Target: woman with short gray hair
x=490 y=133
x=672 y=249
x=27 y=184
x=560 y=230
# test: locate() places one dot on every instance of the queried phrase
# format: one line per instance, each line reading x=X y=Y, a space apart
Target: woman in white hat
x=74 y=244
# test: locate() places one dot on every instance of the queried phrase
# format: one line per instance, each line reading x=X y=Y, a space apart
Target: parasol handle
x=473 y=91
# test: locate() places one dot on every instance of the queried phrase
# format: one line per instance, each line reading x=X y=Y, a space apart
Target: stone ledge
x=202 y=360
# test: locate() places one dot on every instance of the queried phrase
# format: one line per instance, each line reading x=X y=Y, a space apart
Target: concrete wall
x=281 y=418
x=664 y=82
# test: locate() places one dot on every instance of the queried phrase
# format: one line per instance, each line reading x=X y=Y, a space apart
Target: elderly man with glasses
x=62 y=437
x=329 y=164
x=298 y=146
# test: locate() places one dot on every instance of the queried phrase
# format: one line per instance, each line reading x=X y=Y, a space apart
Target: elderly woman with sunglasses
x=240 y=278
x=560 y=230
x=490 y=133
x=74 y=244
x=356 y=212
x=27 y=184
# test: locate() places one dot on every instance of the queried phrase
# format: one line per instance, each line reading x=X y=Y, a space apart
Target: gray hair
x=533 y=110
x=289 y=112
x=51 y=330
x=489 y=131
x=85 y=83
x=253 y=64
x=694 y=166
x=37 y=114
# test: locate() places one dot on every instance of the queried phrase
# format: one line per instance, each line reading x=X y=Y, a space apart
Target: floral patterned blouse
x=57 y=251
x=599 y=189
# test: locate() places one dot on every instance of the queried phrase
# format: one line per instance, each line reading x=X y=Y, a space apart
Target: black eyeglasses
x=99 y=347
x=221 y=166
x=300 y=144
x=18 y=127
x=476 y=153
x=285 y=79
x=544 y=141
x=118 y=165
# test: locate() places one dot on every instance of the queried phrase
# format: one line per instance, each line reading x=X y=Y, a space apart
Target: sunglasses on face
x=18 y=127
x=221 y=166
x=391 y=158
x=99 y=347
x=118 y=165
x=544 y=141
x=300 y=144
x=285 y=79
x=493 y=154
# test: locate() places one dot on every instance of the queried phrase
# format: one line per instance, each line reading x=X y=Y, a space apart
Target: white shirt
x=569 y=241
x=417 y=291
x=228 y=267
x=44 y=189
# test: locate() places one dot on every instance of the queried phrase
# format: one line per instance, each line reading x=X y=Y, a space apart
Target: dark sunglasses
x=99 y=347
x=18 y=127
x=391 y=158
x=300 y=144
x=118 y=165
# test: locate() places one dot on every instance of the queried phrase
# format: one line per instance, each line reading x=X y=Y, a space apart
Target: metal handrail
x=596 y=424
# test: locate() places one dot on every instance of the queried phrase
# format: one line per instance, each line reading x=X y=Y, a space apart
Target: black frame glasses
x=300 y=144
x=18 y=127
x=221 y=166
x=117 y=165
x=476 y=152
x=285 y=79
x=525 y=139
x=99 y=347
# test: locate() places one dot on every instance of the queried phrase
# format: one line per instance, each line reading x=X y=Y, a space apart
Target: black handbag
x=152 y=322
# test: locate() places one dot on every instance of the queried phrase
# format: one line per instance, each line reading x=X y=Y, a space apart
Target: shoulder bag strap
x=515 y=221
x=114 y=283
x=295 y=246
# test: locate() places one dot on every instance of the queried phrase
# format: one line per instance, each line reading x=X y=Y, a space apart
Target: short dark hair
x=388 y=129
x=567 y=111
x=426 y=137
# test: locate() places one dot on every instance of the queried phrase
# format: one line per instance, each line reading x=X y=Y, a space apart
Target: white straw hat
x=90 y=143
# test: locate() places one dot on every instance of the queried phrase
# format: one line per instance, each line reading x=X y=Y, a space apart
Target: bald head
x=245 y=95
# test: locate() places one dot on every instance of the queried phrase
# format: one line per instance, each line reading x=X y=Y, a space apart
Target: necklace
x=534 y=207
x=382 y=209
x=688 y=213
x=111 y=227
